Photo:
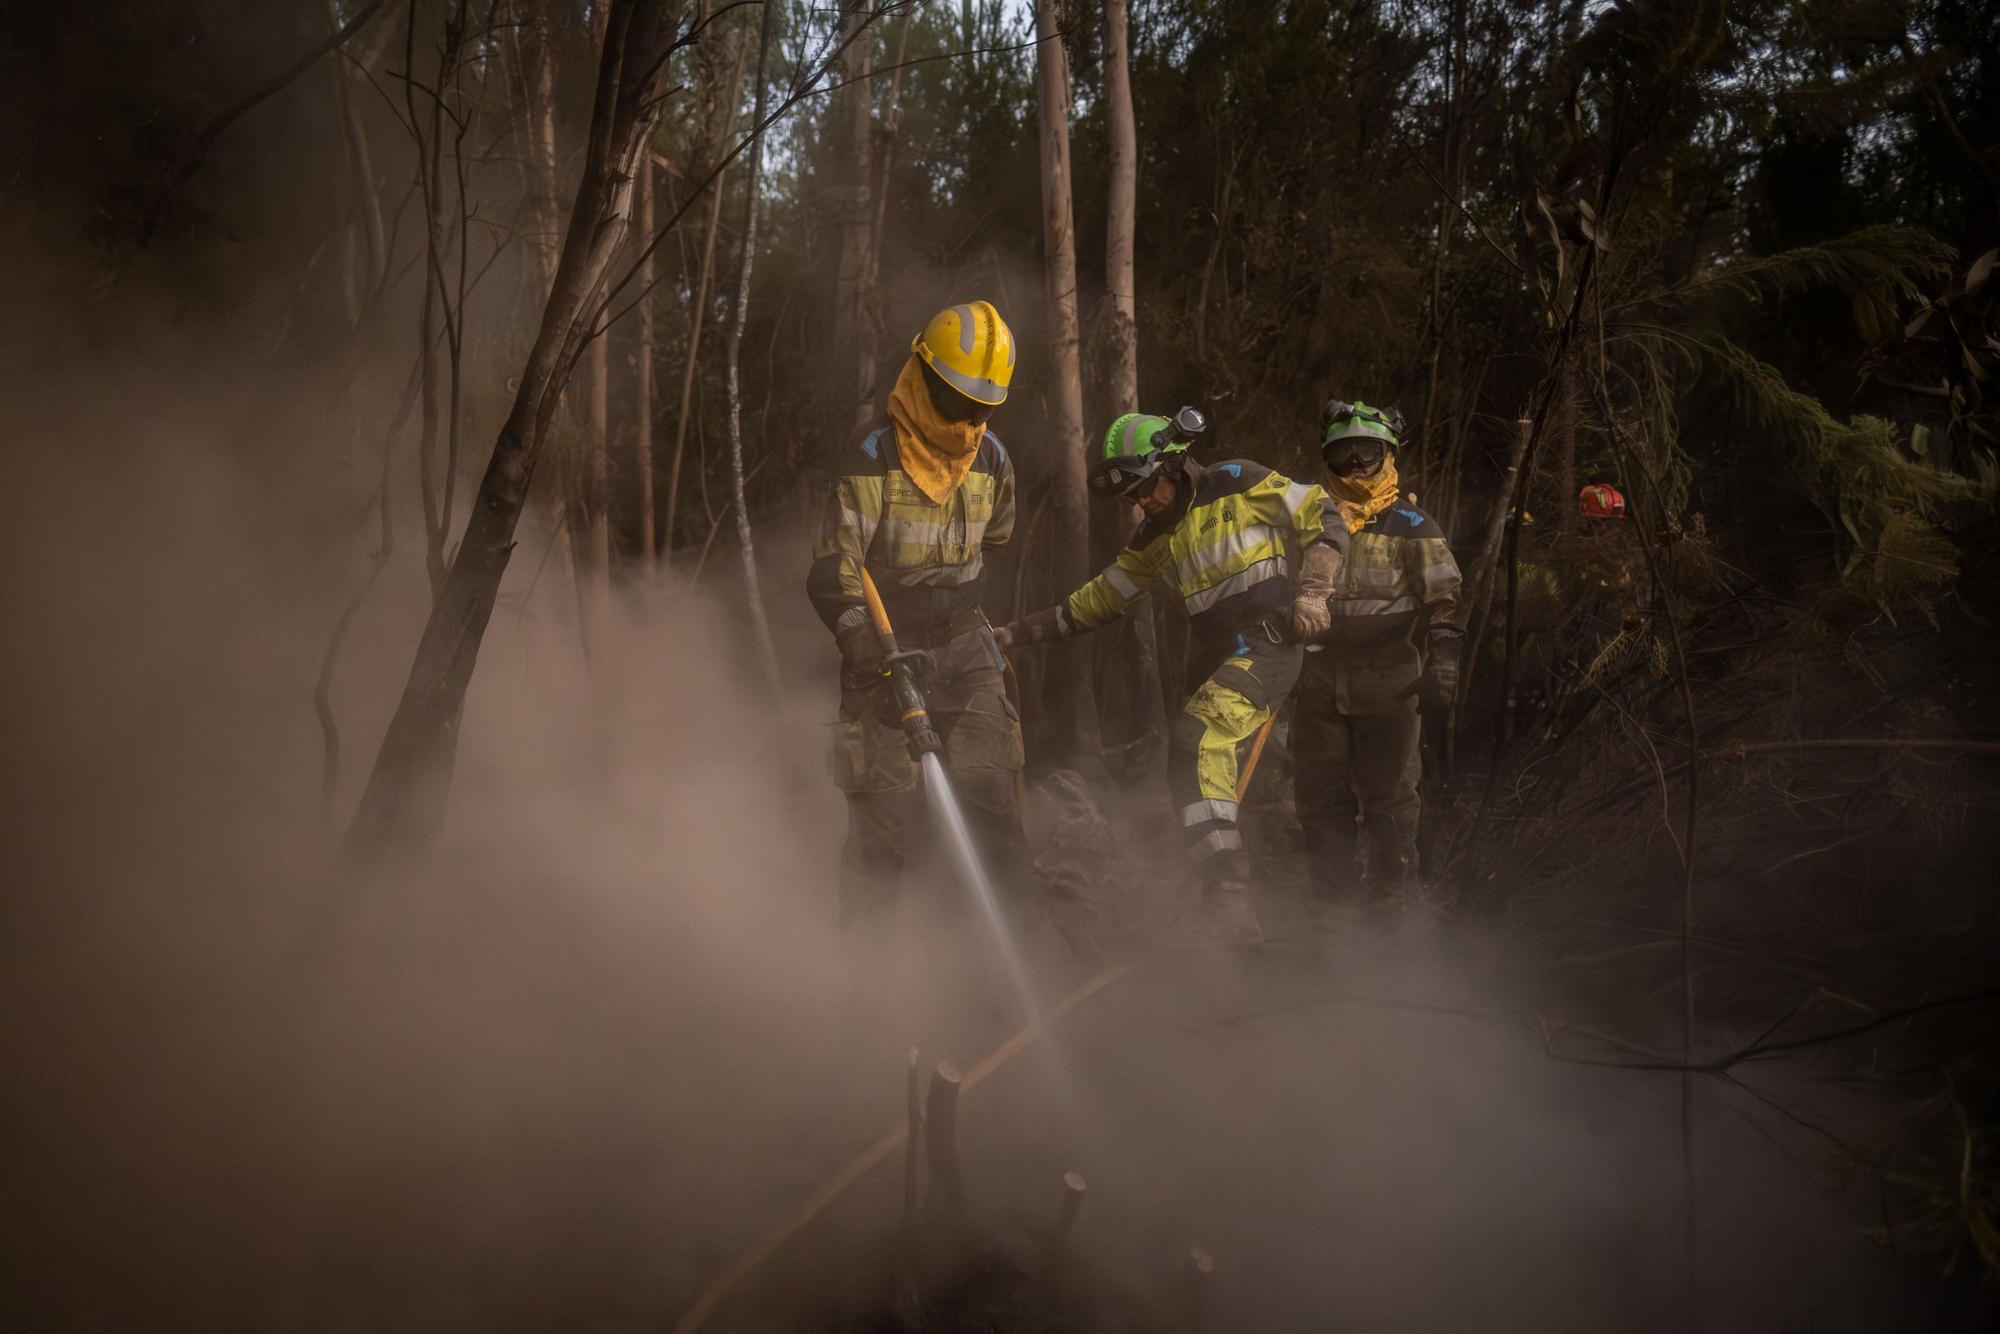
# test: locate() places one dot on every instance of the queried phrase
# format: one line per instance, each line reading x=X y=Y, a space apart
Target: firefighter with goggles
x=1221 y=536
x=919 y=502
x=1390 y=638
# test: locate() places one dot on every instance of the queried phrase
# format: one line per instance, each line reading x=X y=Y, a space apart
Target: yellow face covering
x=1362 y=498
x=935 y=453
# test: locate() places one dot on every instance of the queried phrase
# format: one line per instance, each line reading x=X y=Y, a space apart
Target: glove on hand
x=1311 y=618
x=1439 y=688
x=1319 y=571
x=1434 y=694
x=860 y=650
x=1044 y=625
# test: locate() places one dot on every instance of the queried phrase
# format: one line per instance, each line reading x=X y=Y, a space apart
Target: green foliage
x=1883 y=259
x=1894 y=510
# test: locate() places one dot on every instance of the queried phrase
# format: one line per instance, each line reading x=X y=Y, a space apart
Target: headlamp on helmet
x=1138 y=447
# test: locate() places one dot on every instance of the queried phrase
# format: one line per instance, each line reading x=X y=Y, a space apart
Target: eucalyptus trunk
x=1066 y=692
x=752 y=589
x=1124 y=665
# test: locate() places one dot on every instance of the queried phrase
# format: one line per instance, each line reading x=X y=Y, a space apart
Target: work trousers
x=887 y=819
x=1355 y=743
x=1212 y=736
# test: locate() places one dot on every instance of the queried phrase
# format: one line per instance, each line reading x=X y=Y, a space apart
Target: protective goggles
x=1356 y=454
x=1121 y=479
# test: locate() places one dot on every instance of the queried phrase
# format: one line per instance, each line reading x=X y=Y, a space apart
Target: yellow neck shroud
x=1362 y=498
x=935 y=453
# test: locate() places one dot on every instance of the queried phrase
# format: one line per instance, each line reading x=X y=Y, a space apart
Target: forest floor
x=1422 y=1126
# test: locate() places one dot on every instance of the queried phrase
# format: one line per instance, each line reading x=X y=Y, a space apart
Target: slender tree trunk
x=1421 y=475
x=1434 y=331
x=437 y=309
x=600 y=459
x=362 y=283
x=1066 y=692
x=642 y=389
x=589 y=529
x=534 y=94
x=698 y=307
x=697 y=318
x=591 y=512
x=752 y=590
x=1564 y=424
x=1479 y=577
x=892 y=125
x=533 y=77
x=403 y=806
x=1224 y=203
x=856 y=330
x=1124 y=665
x=1121 y=211
x=363 y=272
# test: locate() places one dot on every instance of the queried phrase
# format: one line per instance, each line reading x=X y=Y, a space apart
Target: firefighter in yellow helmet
x=1390 y=633
x=919 y=501
x=1221 y=536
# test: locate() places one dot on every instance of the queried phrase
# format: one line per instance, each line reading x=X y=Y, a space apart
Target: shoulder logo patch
x=1233 y=469
x=872 y=446
x=1415 y=518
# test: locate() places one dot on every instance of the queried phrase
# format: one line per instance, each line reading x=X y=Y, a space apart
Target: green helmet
x=1137 y=446
x=1349 y=421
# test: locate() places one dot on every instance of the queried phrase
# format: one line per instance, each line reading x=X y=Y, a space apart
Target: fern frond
x=1892 y=508
x=1903 y=260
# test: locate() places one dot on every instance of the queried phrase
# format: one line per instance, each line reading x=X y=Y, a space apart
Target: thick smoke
x=565 y=1072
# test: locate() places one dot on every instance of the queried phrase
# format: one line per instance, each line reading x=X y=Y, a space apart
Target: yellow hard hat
x=972 y=350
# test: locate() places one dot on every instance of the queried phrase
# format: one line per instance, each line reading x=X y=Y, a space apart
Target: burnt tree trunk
x=403 y=806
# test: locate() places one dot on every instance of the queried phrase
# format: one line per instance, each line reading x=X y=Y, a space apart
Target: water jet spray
x=902 y=667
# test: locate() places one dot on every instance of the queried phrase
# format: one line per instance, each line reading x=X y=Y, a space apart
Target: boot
x=1227 y=915
x=1404 y=891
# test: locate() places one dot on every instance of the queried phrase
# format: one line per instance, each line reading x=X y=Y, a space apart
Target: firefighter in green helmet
x=1221 y=536
x=1391 y=637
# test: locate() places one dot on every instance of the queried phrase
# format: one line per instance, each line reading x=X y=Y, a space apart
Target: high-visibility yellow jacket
x=925 y=558
x=1221 y=547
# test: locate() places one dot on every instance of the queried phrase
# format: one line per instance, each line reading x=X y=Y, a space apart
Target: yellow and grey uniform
x=1223 y=548
x=1356 y=731
x=926 y=560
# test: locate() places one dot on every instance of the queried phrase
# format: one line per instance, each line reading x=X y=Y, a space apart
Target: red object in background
x=1601 y=501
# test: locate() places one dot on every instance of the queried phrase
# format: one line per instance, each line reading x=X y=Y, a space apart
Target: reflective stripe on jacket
x=1221 y=548
x=1399 y=568
x=925 y=558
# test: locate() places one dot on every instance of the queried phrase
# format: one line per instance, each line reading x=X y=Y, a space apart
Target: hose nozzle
x=902 y=668
x=911 y=712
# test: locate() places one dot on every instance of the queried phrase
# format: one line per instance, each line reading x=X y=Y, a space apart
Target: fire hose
x=901 y=667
